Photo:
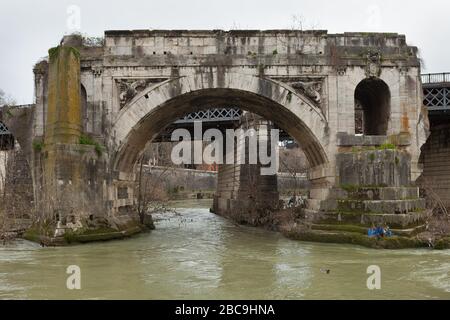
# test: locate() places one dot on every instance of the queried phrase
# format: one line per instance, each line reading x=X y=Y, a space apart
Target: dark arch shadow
x=372 y=107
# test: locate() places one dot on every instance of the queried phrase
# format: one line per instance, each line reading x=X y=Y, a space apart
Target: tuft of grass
x=388 y=146
x=38 y=146
x=86 y=140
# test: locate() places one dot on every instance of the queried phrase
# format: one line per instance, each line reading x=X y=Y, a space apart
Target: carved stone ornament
x=312 y=89
x=341 y=70
x=129 y=88
x=373 y=68
x=97 y=72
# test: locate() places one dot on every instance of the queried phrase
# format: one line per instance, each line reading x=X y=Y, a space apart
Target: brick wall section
x=436 y=162
x=18 y=186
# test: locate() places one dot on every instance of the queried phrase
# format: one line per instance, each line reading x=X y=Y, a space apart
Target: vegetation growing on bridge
x=53 y=52
x=86 y=140
x=38 y=145
x=384 y=146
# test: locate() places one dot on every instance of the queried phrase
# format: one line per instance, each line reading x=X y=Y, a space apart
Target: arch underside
x=151 y=120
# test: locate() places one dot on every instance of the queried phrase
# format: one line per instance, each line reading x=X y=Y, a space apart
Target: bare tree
x=16 y=193
x=6 y=100
x=2 y=192
x=433 y=200
x=151 y=193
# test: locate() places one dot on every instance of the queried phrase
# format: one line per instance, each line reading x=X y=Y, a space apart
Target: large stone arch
x=149 y=112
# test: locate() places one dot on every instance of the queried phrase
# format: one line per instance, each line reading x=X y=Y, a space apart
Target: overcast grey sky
x=29 y=27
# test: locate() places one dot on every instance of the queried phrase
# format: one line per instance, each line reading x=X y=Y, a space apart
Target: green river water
x=197 y=255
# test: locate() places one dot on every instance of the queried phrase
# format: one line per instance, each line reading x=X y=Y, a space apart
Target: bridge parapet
x=310 y=47
x=435 y=78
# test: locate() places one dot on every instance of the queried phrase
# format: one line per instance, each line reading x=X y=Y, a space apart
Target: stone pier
x=242 y=191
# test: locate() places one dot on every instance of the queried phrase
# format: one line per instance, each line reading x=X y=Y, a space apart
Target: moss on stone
x=387 y=146
x=64 y=107
x=442 y=244
x=384 y=146
x=394 y=242
x=332 y=237
x=38 y=146
x=36 y=232
x=350 y=187
x=54 y=52
x=32 y=235
x=44 y=234
x=98 y=234
x=91 y=237
x=340 y=227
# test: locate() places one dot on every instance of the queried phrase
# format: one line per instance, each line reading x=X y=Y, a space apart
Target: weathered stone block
x=374 y=168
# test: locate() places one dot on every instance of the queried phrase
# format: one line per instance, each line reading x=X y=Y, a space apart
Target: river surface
x=195 y=254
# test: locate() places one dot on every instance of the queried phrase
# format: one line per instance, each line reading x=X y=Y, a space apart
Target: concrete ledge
x=348 y=140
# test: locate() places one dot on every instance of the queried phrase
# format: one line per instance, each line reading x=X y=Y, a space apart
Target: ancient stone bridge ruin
x=352 y=101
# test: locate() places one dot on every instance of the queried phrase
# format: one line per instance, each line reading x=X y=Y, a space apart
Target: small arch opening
x=84 y=108
x=372 y=107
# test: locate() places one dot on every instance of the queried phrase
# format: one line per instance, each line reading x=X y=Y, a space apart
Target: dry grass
x=433 y=200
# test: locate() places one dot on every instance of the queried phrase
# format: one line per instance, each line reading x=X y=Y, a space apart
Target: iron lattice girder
x=436 y=91
x=437 y=98
x=3 y=129
x=212 y=115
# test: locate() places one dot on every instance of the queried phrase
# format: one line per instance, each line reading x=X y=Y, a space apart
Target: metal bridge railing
x=436 y=78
